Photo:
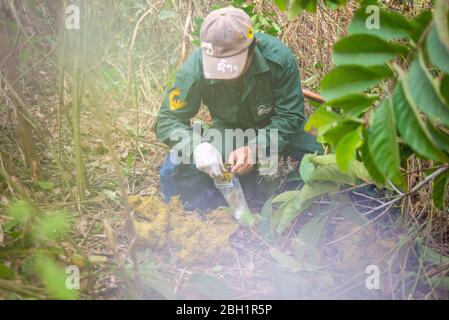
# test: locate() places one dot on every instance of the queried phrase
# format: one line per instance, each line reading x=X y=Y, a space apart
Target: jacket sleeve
x=181 y=103
x=288 y=115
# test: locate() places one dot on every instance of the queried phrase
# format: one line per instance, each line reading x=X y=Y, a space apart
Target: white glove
x=208 y=159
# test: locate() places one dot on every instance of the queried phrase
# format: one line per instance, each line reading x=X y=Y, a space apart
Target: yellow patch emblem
x=173 y=100
x=250 y=33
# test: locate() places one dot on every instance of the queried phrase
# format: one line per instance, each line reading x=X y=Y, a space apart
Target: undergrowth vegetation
x=80 y=211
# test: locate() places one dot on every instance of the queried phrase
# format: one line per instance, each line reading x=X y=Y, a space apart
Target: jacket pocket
x=262 y=109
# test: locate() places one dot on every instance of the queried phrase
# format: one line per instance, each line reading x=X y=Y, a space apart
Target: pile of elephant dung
x=167 y=228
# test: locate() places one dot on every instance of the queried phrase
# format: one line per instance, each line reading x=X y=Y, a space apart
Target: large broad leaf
x=353 y=104
x=324 y=160
x=441 y=18
x=410 y=125
x=383 y=147
x=387 y=25
x=366 y=50
x=306 y=168
x=347 y=149
x=321 y=120
x=370 y=165
x=296 y=6
x=281 y=4
x=285 y=196
x=333 y=173
x=424 y=92
x=441 y=138
x=440 y=190
x=444 y=88
x=348 y=79
x=438 y=53
x=356 y=170
x=54 y=278
x=292 y=208
x=334 y=134
x=420 y=24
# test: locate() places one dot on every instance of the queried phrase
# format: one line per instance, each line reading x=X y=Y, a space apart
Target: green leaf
x=392 y=25
x=411 y=127
x=347 y=149
x=290 y=209
x=332 y=173
x=321 y=120
x=349 y=79
x=53 y=278
x=312 y=190
x=285 y=196
x=52 y=225
x=352 y=104
x=441 y=138
x=306 y=168
x=441 y=19
x=294 y=8
x=334 y=134
x=281 y=4
x=334 y=4
x=6 y=272
x=370 y=165
x=444 y=88
x=247 y=218
x=438 y=53
x=420 y=24
x=357 y=169
x=440 y=190
x=365 y=50
x=383 y=147
x=20 y=211
x=424 y=92
x=211 y=287
x=324 y=160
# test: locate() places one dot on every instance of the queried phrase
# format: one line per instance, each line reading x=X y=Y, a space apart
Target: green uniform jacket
x=270 y=97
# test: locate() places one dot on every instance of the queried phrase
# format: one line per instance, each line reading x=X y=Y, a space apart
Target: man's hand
x=208 y=160
x=242 y=161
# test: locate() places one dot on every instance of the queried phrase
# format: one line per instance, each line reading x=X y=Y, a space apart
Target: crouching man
x=251 y=86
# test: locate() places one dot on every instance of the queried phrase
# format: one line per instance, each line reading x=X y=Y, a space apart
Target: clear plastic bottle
x=233 y=193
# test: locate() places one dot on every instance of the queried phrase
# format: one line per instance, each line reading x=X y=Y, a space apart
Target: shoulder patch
x=174 y=100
